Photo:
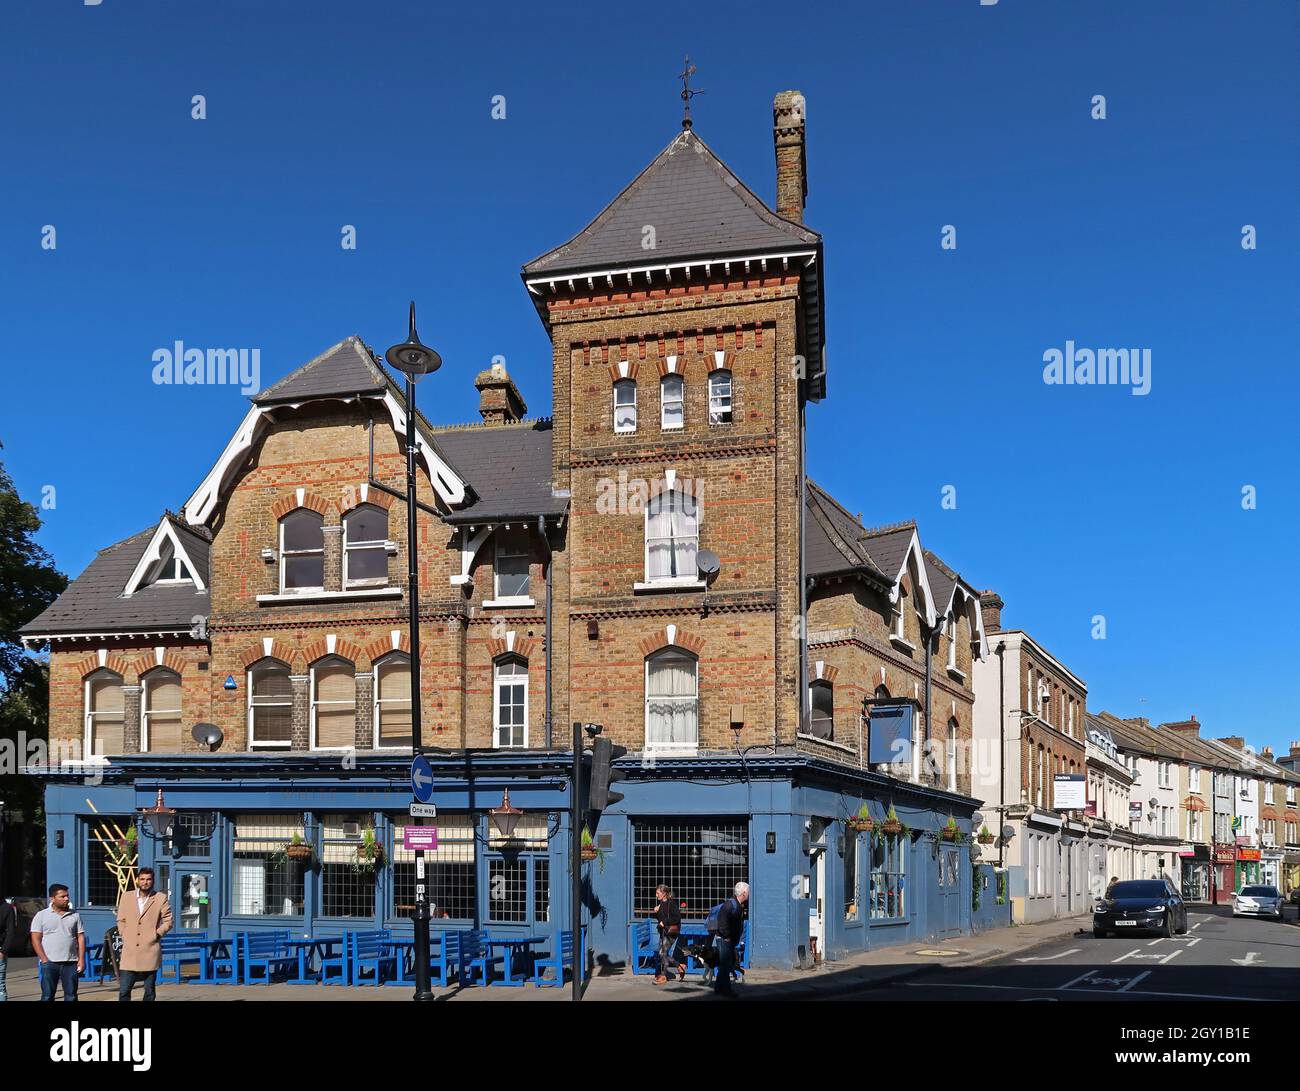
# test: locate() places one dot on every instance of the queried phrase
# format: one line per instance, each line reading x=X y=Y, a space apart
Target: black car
x=1141 y=905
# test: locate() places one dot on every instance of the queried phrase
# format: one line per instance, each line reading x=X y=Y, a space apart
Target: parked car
x=1140 y=905
x=1258 y=901
x=1295 y=896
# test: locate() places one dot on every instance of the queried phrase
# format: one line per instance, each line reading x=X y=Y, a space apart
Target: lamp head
x=411 y=357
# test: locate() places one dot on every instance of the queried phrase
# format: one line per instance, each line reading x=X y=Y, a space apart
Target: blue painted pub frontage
x=779 y=822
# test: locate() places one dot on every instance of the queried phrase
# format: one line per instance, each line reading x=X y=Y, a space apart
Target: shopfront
x=1248 y=866
x=1196 y=873
x=1270 y=867
x=1223 y=873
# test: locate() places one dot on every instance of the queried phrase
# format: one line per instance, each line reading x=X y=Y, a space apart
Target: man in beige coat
x=143 y=918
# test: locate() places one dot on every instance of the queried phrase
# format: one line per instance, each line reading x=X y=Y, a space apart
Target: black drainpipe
x=1002 y=748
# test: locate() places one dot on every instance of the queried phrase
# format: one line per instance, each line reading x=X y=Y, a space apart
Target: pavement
x=860 y=974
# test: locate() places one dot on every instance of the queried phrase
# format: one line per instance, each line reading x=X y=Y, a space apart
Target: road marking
x=1066 y=988
x=1074 y=981
x=1144 y=973
x=1049 y=958
x=1249 y=960
x=1137 y=954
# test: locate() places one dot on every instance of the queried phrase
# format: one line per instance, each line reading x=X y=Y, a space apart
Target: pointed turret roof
x=697 y=207
x=344 y=369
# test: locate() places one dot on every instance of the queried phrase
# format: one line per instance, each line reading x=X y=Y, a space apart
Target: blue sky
x=1072 y=501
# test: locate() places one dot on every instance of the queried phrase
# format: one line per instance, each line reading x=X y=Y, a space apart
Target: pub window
x=518 y=872
x=333 y=704
x=672 y=713
x=350 y=862
x=270 y=705
x=821 y=701
x=104 y=713
x=888 y=872
x=365 y=547
x=264 y=881
x=393 y=701
x=720 y=397
x=672 y=536
x=625 y=406
x=510 y=702
x=851 y=893
x=102 y=848
x=302 y=551
x=700 y=861
x=672 y=403
x=450 y=871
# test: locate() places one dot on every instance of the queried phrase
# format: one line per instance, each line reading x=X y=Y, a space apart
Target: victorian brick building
x=818 y=674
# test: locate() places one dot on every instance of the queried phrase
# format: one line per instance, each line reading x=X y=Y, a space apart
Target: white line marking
x=1144 y=973
x=1172 y=955
x=1066 y=988
x=1076 y=980
x=1049 y=958
x=1131 y=954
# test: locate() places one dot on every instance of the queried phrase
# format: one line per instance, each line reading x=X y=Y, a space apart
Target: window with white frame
x=1194 y=825
x=720 y=397
x=333 y=704
x=1268 y=792
x=169 y=568
x=1290 y=793
x=952 y=644
x=952 y=755
x=510 y=702
x=160 y=722
x=510 y=568
x=1194 y=779
x=821 y=709
x=264 y=881
x=270 y=706
x=302 y=551
x=672 y=535
x=888 y=876
x=672 y=402
x=899 y=618
x=365 y=547
x=672 y=717
x=105 y=713
x=625 y=405
x=393 y=701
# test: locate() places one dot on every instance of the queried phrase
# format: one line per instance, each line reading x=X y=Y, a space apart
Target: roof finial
x=687 y=93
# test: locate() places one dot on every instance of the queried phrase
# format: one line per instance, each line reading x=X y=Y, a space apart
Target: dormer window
x=720 y=397
x=302 y=551
x=672 y=403
x=169 y=569
x=625 y=405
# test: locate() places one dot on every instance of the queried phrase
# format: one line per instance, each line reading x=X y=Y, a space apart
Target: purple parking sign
x=420 y=837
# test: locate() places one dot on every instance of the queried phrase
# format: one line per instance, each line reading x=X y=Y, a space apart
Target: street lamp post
x=415 y=361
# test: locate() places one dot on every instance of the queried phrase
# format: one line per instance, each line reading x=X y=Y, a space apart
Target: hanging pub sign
x=1069 y=792
x=890 y=739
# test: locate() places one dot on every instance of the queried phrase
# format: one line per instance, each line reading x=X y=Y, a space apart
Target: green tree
x=29 y=582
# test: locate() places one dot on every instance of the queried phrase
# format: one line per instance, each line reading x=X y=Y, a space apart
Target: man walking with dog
x=669 y=915
x=143 y=918
x=730 y=930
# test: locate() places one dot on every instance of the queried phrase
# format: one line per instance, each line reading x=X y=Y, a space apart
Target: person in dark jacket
x=669 y=916
x=731 y=927
x=8 y=942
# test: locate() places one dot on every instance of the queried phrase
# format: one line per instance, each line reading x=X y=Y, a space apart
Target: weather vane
x=687 y=92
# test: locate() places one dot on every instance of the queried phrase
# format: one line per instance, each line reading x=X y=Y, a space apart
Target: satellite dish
x=208 y=735
x=1008 y=832
x=707 y=564
x=977 y=819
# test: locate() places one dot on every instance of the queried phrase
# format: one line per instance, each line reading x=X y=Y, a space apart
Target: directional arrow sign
x=422 y=779
x=1251 y=959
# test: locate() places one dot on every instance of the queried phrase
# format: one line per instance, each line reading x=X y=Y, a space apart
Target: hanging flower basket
x=590 y=852
x=891 y=827
x=985 y=837
x=298 y=851
x=860 y=824
x=370 y=854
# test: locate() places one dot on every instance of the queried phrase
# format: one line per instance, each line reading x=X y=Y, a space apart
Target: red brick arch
x=344 y=649
x=280 y=650
x=383 y=645
x=829 y=673
x=633 y=366
x=311 y=500
x=523 y=648
x=149 y=662
x=350 y=497
x=115 y=661
x=658 y=640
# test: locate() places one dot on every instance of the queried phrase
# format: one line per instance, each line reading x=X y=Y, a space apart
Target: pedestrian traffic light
x=603 y=754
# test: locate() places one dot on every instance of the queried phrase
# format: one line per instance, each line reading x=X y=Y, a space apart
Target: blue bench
x=177 y=948
x=643 y=946
x=475 y=957
x=264 y=954
x=444 y=960
x=372 y=950
x=559 y=959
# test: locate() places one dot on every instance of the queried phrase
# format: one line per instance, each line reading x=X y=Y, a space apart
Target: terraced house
x=795 y=714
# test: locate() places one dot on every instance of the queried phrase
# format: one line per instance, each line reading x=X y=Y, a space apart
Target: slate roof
x=698 y=208
x=509 y=466
x=941 y=578
x=888 y=547
x=94 y=603
x=345 y=368
x=832 y=538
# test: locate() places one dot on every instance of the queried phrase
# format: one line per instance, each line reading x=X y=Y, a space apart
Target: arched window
x=270 y=706
x=672 y=715
x=160 y=728
x=393 y=701
x=720 y=396
x=672 y=536
x=333 y=704
x=821 y=706
x=625 y=405
x=672 y=402
x=952 y=754
x=302 y=551
x=105 y=713
x=365 y=547
x=510 y=702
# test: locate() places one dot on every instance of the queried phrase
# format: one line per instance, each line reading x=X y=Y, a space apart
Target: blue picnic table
x=313 y=947
x=514 y=949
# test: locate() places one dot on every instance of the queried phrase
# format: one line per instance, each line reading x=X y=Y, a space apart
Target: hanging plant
x=370 y=853
x=860 y=822
x=294 y=849
x=985 y=837
x=950 y=832
x=892 y=827
x=592 y=851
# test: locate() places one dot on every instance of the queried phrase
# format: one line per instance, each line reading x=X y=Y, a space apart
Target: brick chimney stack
x=499 y=400
x=1268 y=753
x=1186 y=727
x=1295 y=749
x=788 y=115
x=991 y=605
x=1235 y=741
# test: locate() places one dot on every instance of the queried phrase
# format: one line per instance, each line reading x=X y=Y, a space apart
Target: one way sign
x=422 y=779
